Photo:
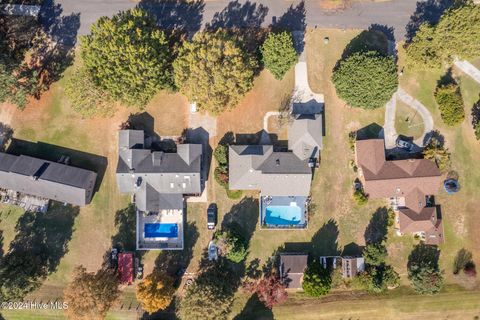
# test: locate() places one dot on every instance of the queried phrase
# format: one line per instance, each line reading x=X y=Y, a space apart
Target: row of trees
x=126 y=58
x=454 y=36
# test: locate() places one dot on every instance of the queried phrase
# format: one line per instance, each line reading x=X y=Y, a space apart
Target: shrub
x=391 y=217
x=155 y=292
x=425 y=280
x=221 y=154
x=436 y=152
x=360 y=197
x=87 y=99
x=231 y=245
x=278 y=53
x=375 y=254
x=317 y=280
x=366 y=79
x=477 y=131
x=234 y=194
x=221 y=176
x=269 y=289
x=450 y=102
x=128 y=56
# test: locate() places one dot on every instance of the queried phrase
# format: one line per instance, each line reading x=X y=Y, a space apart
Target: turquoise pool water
x=161 y=230
x=283 y=215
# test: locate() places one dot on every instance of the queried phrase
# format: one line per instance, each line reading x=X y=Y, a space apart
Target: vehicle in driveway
x=405 y=145
x=212 y=251
x=212 y=216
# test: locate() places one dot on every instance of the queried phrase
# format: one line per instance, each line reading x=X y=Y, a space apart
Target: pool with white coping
x=283 y=212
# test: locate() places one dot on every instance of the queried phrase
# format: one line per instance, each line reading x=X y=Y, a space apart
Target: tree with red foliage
x=269 y=289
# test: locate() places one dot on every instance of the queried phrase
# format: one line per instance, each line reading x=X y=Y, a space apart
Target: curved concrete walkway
x=389 y=127
x=469 y=69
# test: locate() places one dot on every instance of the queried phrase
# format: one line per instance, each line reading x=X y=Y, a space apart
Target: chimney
x=157 y=158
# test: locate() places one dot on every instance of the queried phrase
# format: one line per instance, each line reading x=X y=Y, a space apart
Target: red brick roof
x=125 y=267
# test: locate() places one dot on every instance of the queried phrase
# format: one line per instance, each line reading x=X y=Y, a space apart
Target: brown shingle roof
x=384 y=179
x=424 y=221
x=292 y=267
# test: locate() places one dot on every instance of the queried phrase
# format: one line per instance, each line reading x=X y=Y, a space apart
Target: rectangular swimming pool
x=283 y=215
x=161 y=230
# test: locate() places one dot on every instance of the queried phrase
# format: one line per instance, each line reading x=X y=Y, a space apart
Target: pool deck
x=165 y=216
x=267 y=201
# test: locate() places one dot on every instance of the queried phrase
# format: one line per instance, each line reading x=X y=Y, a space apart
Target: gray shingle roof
x=152 y=175
x=305 y=136
x=273 y=173
x=46 y=179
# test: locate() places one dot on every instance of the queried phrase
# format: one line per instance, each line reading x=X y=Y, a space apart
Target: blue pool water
x=161 y=230
x=283 y=215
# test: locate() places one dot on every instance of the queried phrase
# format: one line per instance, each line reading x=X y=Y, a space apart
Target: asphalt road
x=394 y=14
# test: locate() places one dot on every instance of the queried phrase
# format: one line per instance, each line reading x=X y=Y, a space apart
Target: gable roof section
x=273 y=173
x=155 y=177
x=394 y=178
x=292 y=267
x=305 y=136
x=46 y=179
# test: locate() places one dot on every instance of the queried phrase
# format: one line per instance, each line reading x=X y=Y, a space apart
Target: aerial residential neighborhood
x=215 y=159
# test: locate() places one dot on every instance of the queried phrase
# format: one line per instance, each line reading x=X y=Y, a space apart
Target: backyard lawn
x=408 y=122
x=337 y=225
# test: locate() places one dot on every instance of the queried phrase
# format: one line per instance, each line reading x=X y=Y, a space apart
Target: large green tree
x=90 y=295
x=128 y=56
x=278 y=53
x=423 y=269
x=214 y=71
x=209 y=297
x=455 y=35
x=366 y=79
x=317 y=281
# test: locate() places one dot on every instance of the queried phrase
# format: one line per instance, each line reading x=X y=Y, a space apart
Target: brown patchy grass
x=266 y=95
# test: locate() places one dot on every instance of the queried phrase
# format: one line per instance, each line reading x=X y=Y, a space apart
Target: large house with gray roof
x=282 y=177
x=158 y=182
x=39 y=178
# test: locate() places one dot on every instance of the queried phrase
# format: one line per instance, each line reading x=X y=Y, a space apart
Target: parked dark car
x=403 y=144
x=212 y=216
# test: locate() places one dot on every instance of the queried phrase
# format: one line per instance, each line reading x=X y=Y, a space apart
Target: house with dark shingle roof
x=409 y=183
x=158 y=182
x=282 y=177
x=291 y=268
x=46 y=179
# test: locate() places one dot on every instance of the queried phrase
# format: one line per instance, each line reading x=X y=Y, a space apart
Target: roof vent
x=277 y=162
x=157 y=158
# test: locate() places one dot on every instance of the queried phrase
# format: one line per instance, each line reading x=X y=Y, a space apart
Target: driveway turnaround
x=389 y=127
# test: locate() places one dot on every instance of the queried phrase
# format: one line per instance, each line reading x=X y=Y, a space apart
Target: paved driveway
x=395 y=13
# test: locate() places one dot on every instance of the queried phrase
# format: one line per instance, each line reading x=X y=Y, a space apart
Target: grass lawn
x=407 y=122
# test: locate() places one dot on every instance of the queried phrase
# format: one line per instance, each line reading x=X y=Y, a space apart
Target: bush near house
x=269 y=289
x=366 y=79
x=221 y=171
x=450 y=103
x=278 y=53
x=360 y=197
x=317 y=281
x=224 y=76
x=128 y=56
x=455 y=35
x=436 y=152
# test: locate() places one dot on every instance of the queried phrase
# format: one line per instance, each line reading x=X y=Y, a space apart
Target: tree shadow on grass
x=254 y=309
x=424 y=255
x=325 y=240
x=374 y=39
x=476 y=114
x=429 y=12
x=372 y=131
x=377 y=229
x=245 y=215
x=40 y=242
